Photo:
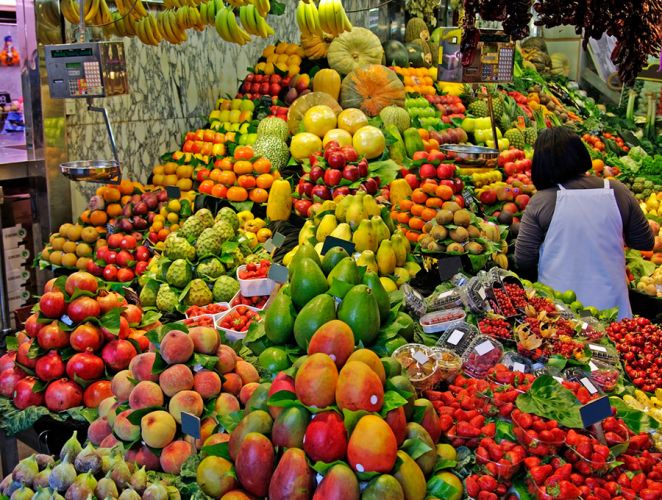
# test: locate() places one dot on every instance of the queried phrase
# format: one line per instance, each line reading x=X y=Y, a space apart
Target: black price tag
x=278 y=273
x=331 y=242
x=191 y=425
x=449 y=266
x=174 y=193
x=278 y=239
x=595 y=411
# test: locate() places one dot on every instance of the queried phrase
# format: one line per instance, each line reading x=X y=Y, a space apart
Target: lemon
x=388 y=284
x=305 y=144
x=174 y=206
x=339 y=135
x=319 y=120
x=352 y=119
x=568 y=296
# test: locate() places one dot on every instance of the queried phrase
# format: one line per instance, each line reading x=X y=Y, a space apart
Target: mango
x=359 y=388
x=372 y=360
x=372 y=446
x=334 y=338
x=307 y=282
x=255 y=463
x=402 y=383
x=332 y=257
x=279 y=319
x=316 y=380
x=314 y=314
x=290 y=427
x=346 y=271
x=339 y=483
x=371 y=279
x=384 y=487
x=216 y=476
x=397 y=421
x=256 y=421
x=428 y=459
x=292 y=479
x=360 y=311
x=430 y=420
x=258 y=400
x=281 y=382
x=326 y=438
x=410 y=477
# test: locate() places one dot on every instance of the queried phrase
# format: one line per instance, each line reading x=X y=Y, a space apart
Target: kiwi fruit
x=427 y=228
x=459 y=234
x=474 y=232
x=444 y=216
x=462 y=218
x=473 y=247
x=433 y=246
x=424 y=240
x=455 y=248
x=450 y=205
x=439 y=233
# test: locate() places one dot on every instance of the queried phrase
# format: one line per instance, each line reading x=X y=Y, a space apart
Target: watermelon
x=395 y=54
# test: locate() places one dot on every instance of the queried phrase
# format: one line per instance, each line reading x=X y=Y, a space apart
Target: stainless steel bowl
x=471 y=156
x=105 y=171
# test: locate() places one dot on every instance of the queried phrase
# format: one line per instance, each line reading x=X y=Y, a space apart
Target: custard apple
x=176 y=247
x=166 y=299
x=198 y=294
x=273 y=126
x=148 y=293
x=227 y=214
x=209 y=243
x=224 y=230
x=192 y=227
x=225 y=288
x=210 y=269
x=179 y=274
x=205 y=216
x=274 y=149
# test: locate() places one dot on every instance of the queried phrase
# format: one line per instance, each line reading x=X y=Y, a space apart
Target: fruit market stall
x=310 y=297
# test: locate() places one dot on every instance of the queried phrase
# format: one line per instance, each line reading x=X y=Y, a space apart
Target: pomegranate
x=123 y=332
x=22 y=355
x=80 y=280
x=52 y=336
x=63 y=394
x=49 y=367
x=51 y=286
x=24 y=394
x=140 y=338
x=97 y=392
x=110 y=301
x=82 y=308
x=85 y=365
x=8 y=380
x=86 y=337
x=133 y=314
x=32 y=326
x=7 y=361
x=52 y=304
x=118 y=354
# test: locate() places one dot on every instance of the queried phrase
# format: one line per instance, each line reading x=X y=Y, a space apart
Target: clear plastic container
x=578 y=375
x=476 y=291
x=420 y=363
x=439 y=321
x=259 y=302
x=502 y=470
x=532 y=442
x=217 y=316
x=604 y=375
x=591 y=328
x=414 y=302
x=235 y=335
x=483 y=354
x=458 y=337
x=605 y=353
x=256 y=286
x=450 y=299
x=516 y=363
x=449 y=362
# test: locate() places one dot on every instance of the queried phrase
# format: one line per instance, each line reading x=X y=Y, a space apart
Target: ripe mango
x=397 y=421
x=339 y=483
x=402 y=383
x=334 y=338
x=410 y=477
x=326 y=438
x=316 y=380
x=255 y=421
x=370 y=358
x=292 y=479
x=430 y=420
x=258 y=400
x=216 y=476
x=428 y=459
x=372 y=446
x=290 y=427
x=255 y=463
x=384 y=487
x=359 y=388
x=281 y=382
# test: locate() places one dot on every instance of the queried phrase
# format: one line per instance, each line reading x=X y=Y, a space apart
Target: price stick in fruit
x=278 y=273
x=191 y=425
x=593 y=413
x=273 y=243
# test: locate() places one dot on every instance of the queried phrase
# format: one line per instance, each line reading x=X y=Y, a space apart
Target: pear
x=341 y=208
x=364 y=237
x=25 y=471
x=139 y=480
x=63 y=475
x=307 y=232
x=380 y=229
x=88 y=460
x=355 y=213
x=401 y=276
x=342 y=232
x=326 y=227
x=71 y=448
x=367 y=260
x=386 y=258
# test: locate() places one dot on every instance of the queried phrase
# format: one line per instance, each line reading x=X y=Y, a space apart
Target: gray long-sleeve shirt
x=538 y=216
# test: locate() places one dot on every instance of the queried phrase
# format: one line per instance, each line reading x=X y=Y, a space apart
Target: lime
x=568 y=296
x=274 y=359
x=593 y=310
x=576 y=306
x=394 y=343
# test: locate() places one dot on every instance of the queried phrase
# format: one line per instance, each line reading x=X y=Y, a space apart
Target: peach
x=236 y=495
x=176 y=378
x=158 y=428
x=218 y=438
x=146 y=458
x=205 y=339
x=112 y=413
x=176 y=347
x=106 y=405
x=121 y=385
x=108 y=442
x=226 y=404
x=247 y=391
x=141 y=367
x=227 y=359
x=146 y=394
x=124 y=429
x=174 y=455
x=185 y=401
x=98 y=431
x=232 y=383
x=207 y=428
x=207 y=384
x=247 y=372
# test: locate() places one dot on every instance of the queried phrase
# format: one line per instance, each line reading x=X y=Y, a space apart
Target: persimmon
x=227 y=178
x=416 y=223
x=265 y=181
x=237 y=193
x=405 y=204
x=242 y=167
x=259 y=195
x=419 y=196
x=243 y=153
x=262 y=166
x=98 y=217
x=206 y=186
x=246 y=181
x=219 y=190
x=417 y=209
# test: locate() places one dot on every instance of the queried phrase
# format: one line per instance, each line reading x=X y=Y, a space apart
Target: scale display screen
x=72 y=65
x=57 y=54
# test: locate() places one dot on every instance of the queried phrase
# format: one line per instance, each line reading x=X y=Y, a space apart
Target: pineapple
x=498 y=106
x=515 y=137
x=478 y=109
x=530 y=135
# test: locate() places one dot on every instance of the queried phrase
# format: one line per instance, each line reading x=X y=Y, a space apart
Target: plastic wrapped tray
x=484 y=353
x=439 y=321
x=458 y=337
x=420 y=364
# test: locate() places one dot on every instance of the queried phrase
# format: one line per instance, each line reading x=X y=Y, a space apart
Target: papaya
x=279 y=319
x=339 y=483
x=384 y=487
x=332 y=257
x=410 y=477
x=316 y=380
x=313 y=315
x=292 y=479
x=258 y=400
x=397 y=421
x=305 y=251
x=359 y=388
x=430 y=420
x=372 y=446
x=326 y=438
x=255 y=421
x=255 y=463
x=371 y=279
x=290 y=427
x=428 y=459
x=282 y=382
x=359 y=309
x=307 y=282
x=334 y=338
x=370 y=358
x=397 y=150
x=346 y=271
x=402 y=383
x=413 y=141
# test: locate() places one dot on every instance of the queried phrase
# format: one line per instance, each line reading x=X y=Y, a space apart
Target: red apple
x=412 y=180
x=488 y=197
x=351 y=173
x=427 y=171
x=363 y=167
x=335 y=158
x=125 y=275
x=315 y=173
x=110 y=272
x=350 y=153
x=114 y=240
x=302 y=207
x=321 y=192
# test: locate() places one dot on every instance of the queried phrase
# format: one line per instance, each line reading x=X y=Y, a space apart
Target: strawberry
x=638 y=482
x=489 y=429
x=569 y=490
x=540 y=472
x=524 y=420
x=472 y=486
x=487 y=495
x=445 y=422
x=465 y=429
x=487 y=483
x=648 y=494
x=530 y=462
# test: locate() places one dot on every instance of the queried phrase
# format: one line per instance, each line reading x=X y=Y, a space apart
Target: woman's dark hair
x=559 y=156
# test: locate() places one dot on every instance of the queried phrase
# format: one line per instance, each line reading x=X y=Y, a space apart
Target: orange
x=126 y=186
x=206 y=186
x=262 y=166
x=405 y=204
x=225 y=164
x=236 y=193
x=444 y=192
x=428 y=214
x=163 y=234
x=419 y=196
x=598 y=165
x=98 y=218
x=434 y=202
x=114 y=210
x=112 y=194
x=413 y=236
x=242 y=167
x=417 y=209
x=85 y=217
x=265 y=181
x=259 y=195
x=219 y=190
x=227 y=178
x=246 y=181
x=416 y=223
x=243 y=153
x=403 y=218
x=429 y=187
x=215 y=175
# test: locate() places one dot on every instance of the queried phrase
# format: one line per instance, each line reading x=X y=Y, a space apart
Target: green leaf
x=415 y=448
x=386 y=170
x=136 y=415
x=504 y=430
x=445 y=464
x=159 y=365
x=619 y=449
x=637 y=421
x=11 y=343
x=351 y=418
x=240 y=206
x=154 y=336
x=339 y=288
x=405 y=394
x=287 y=399
x=173 y=326
x=111 y=320
x=150 y=317
x=204 y=360
x=217 y=450
x=547 y=398
x=231 y=421
x=440 y=488
x=392 y=400
x=324 y=467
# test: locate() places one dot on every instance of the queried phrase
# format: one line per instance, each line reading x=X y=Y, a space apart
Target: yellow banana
x=337 y=17
x=70 y=11
x=263 y=7
x=244 y=19
x=91 y=9
x=347 y=25
x=194 y=18
x=139 y=10
x=220 y=21
x=129 y=25
x=106 y=17
x=301 y=19
x=312 y=19
x=324 y=17
x=236 y=31
x=263 y=27
x=164 y=24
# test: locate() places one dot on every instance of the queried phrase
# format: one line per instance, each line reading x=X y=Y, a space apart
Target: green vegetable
x=547 y=398
x=637 y=421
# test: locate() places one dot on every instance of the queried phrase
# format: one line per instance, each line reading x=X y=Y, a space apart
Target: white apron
x=584 y=249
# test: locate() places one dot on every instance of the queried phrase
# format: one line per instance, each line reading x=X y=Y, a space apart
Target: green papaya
x=313 y=315
x=308 y=281
x=306 y=251
x=332 y=257
x=413 y=141
x=359 y=309
x=347 y=271
x=372 y=280
x=279 y=319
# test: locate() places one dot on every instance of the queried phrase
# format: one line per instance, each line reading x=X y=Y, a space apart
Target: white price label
x=584 y=325
x=589 y=385
x=455 y=337
x=518 y=367
x=484 y=347
x=558 y=379
x=481 y=292
x=592 y=366
x=420 y=357
x=597 y=348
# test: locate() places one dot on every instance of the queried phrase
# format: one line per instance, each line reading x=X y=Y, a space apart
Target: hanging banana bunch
x=263 y=7
x=333 y=18
x=308 y=19
x=253 y=22
x=228 y=28
x=148 y=31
